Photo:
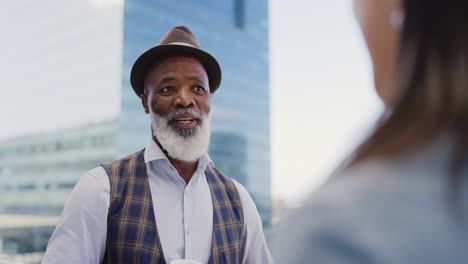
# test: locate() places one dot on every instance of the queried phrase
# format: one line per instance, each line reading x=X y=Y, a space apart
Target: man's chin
x=186 y=146
x=184 y=132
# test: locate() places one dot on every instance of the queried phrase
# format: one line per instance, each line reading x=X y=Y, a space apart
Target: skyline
x=321 y=121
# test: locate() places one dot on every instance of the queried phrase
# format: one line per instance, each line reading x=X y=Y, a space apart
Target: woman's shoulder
x=384 y=189
x=419 y=172
x=379 y=211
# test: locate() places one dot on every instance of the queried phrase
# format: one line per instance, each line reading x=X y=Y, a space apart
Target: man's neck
x=185 y=169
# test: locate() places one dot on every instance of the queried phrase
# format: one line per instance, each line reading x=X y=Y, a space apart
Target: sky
x=323 y=100
x=38 y=44
x=322 y=97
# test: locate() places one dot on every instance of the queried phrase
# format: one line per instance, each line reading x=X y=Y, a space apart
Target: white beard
x=182 y=144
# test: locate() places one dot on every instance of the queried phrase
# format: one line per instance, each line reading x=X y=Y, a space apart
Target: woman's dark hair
x=431 y=76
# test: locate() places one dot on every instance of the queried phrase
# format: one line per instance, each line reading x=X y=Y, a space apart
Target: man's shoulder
x=98 y=173
x=238 y=186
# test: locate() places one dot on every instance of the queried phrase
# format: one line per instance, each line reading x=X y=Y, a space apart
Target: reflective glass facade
x=37 y=172
x=236 y=33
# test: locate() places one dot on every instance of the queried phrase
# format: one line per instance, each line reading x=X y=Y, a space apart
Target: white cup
x=184 y=261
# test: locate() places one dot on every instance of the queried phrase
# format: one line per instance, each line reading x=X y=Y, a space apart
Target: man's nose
x=184 y=99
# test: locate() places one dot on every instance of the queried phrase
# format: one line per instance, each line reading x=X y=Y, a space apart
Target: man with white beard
x=166 y=203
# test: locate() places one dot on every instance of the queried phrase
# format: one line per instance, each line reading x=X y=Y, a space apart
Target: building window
x=58 y=146
x=26 y=187
x=65 y=185
x=239 y=13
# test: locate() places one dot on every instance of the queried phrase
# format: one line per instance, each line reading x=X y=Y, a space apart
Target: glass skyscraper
x=235 y=32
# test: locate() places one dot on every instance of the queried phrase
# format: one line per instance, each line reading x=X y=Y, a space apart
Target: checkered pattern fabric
x=132 y=235
x=228 y=219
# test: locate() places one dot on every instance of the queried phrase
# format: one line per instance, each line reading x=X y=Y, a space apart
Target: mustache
x=182 y=111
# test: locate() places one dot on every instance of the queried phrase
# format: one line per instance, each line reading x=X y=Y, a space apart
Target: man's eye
x=166 y=89
x=199 y=88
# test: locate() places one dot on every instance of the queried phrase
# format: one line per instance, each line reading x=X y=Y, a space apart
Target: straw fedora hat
x=178 y=40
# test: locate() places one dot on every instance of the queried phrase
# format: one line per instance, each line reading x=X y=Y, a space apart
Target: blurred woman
x=403 y=197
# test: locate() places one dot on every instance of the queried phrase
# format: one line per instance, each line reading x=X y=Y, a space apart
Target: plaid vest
x=132 y=235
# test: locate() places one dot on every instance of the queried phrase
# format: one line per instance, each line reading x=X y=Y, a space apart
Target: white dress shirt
x=184 y=216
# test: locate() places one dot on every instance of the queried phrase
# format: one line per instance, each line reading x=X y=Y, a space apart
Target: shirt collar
x=154 y=152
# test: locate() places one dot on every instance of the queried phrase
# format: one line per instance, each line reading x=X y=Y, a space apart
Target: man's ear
x=144 y=102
